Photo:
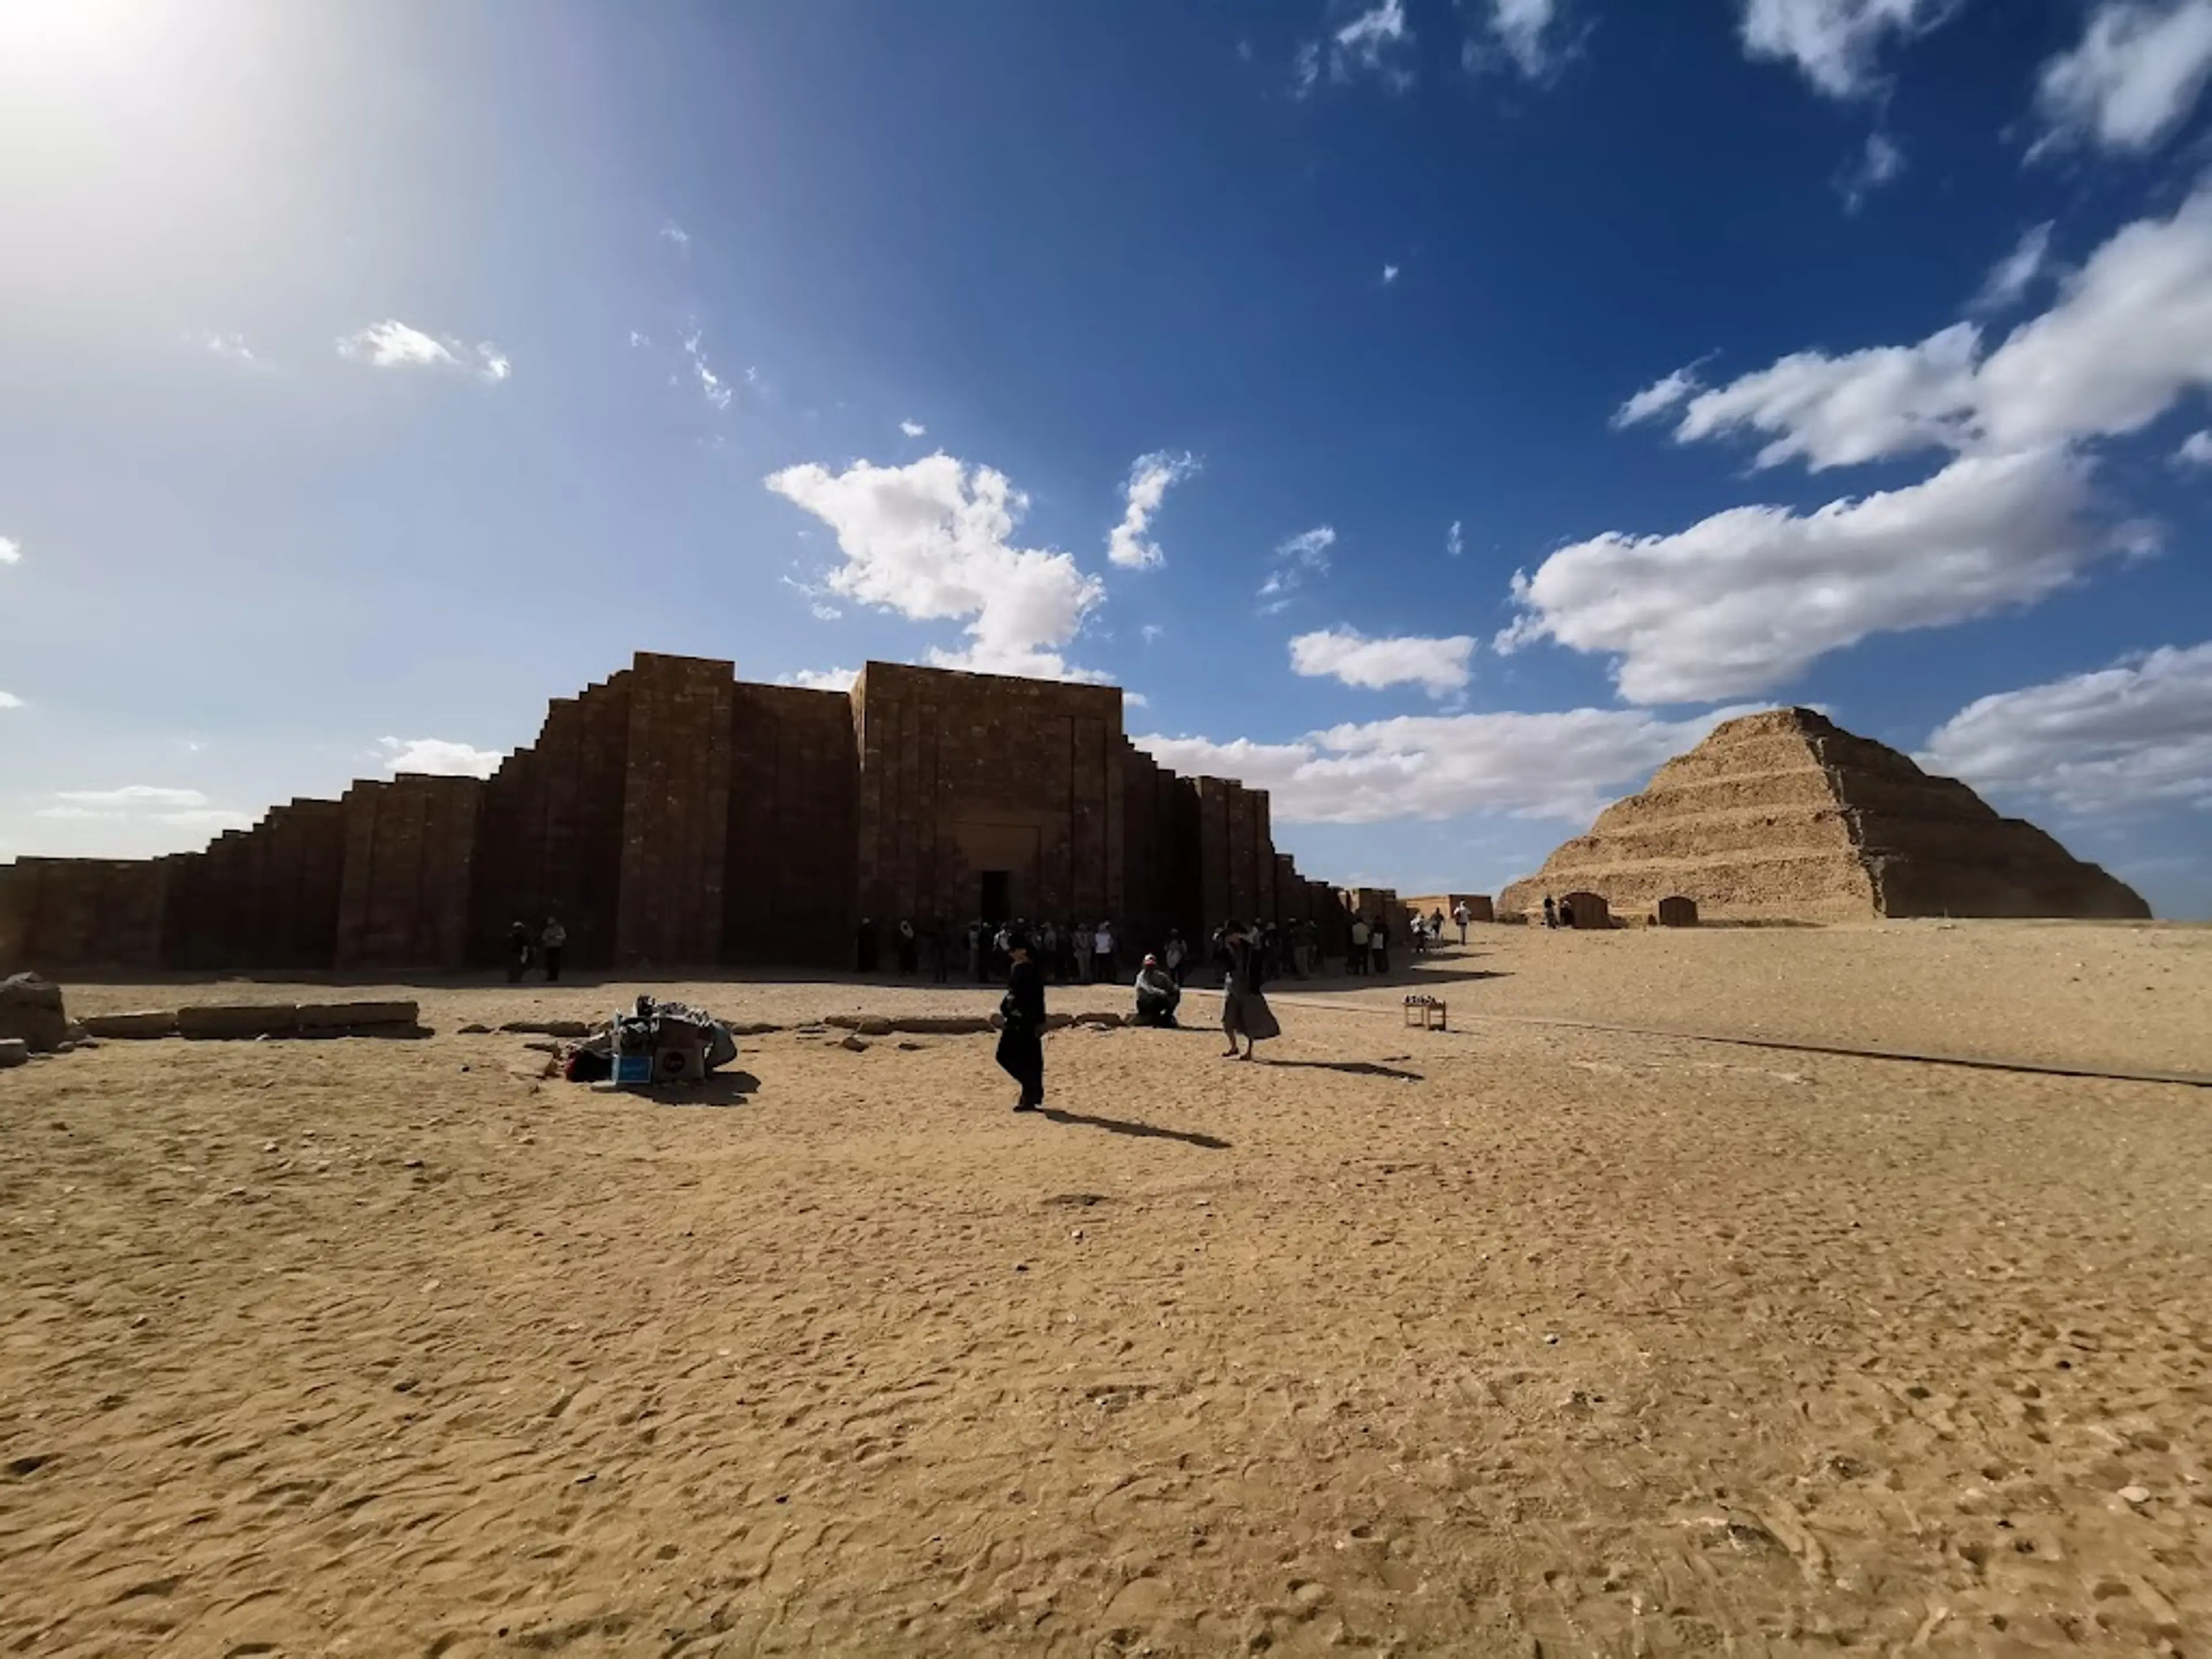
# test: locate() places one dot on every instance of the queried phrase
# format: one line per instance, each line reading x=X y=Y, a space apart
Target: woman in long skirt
x=1021 y=1043
x=1244 y=1010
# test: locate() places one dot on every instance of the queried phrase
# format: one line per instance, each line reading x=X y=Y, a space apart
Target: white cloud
x=133 y=798
x=2133 y=76
x=824 y=612
x=1750 y=598
x=1881 y=160
x=820 y=679
x=672 y=232
x=638 y=338
x=2009 y=279
x=1562 y=765
x=1835 y=42
x=1135 y=700
x=1437 y=665
x=1305 y=69
x=439 y=757
x=1520 y=27
x=1370 y=44
x=393 y=344
x=1453 y=545
x=2129 y=333
x=930 y=540
x=207 y=817
x=11 y=552
x=1149 y=478
x=2195 y=449
x=1152 y=632
x=711 y=385
x=80 y=814
x=2137 y=734
x=1303 y=554
x=1390 y=274
x=232 y=346
x=10 y=700
x=1661 y=395
x=912 y=428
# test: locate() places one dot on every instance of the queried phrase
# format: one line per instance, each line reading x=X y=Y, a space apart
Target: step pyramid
x=1785 y=815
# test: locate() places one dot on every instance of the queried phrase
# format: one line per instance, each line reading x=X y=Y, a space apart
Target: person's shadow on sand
x=1144 y=1131
x=1349 y=1067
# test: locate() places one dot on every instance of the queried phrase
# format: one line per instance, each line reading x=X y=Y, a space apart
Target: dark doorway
x=996 y=903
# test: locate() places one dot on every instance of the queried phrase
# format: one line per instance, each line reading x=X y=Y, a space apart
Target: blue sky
x=1437 y=413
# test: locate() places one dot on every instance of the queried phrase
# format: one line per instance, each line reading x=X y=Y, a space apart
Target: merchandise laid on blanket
x=655 y=1042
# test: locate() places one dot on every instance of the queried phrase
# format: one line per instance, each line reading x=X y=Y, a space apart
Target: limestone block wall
x=70 y=914
x=404 y=900
x=675 y=812
x=551 y=844
x=964 y=774
x=794 y=827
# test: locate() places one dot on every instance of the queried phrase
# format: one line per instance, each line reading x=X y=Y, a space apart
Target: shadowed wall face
x=794 y=801
x=409 y=854
x=965 y=775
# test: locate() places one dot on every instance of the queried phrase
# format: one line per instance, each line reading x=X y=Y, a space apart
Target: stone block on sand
x=355 y=1015
x=31 y=1010
x=139 y=1023
x=216 y=1020
x=14 y=1051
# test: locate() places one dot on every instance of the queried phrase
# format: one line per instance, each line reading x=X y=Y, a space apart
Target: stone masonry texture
x=672 y=816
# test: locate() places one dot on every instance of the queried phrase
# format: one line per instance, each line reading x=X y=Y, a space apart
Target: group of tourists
x=1240 y=955
x=545 y=947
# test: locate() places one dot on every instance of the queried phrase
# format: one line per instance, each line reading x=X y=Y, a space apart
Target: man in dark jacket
x=1021 y=1043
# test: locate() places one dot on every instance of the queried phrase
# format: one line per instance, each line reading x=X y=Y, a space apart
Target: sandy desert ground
x=1519 y=1339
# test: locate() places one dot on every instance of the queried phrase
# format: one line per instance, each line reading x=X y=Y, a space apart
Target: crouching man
x=1156 y=994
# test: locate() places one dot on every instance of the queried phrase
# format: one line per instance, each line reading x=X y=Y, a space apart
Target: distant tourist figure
x=1102 y=954
x=1021 y=1043
x=1244 y=1010
x=553 y=941
x=1176 y=956
x=1436 y=927
x=1157 y=994
x=1566 y=912
x=1356 y=962
x=517 y=952
x=1047 y=950
x=976 y=952
x=908 y=947
x=1463 y=916
x=1551 y=912
x=1378 y=942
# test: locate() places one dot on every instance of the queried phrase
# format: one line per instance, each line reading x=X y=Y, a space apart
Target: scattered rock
x=220 y=1020
x=873 y=1025
x=1100 y=1020
x=327 y=1017
x=14 y=1051
x=474 y=1029
x=66 y=1046
x=2135 y=1496
x=911 y=1048
x=31 y=1011
x=140 y=1023
x=854 y=1044
x=559 y=1028
x=1021 y=1266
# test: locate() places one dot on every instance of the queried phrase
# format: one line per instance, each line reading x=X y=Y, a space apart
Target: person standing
x=1463 y=916
x=1102 y=954
x=1176 y=957
x=1021 y=1040
x=908 y=947
x=1551 y=912
x=518 y=953
x=1356 y=962
x=1244 y=1010
x=553 y=941
x=1378 y=941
